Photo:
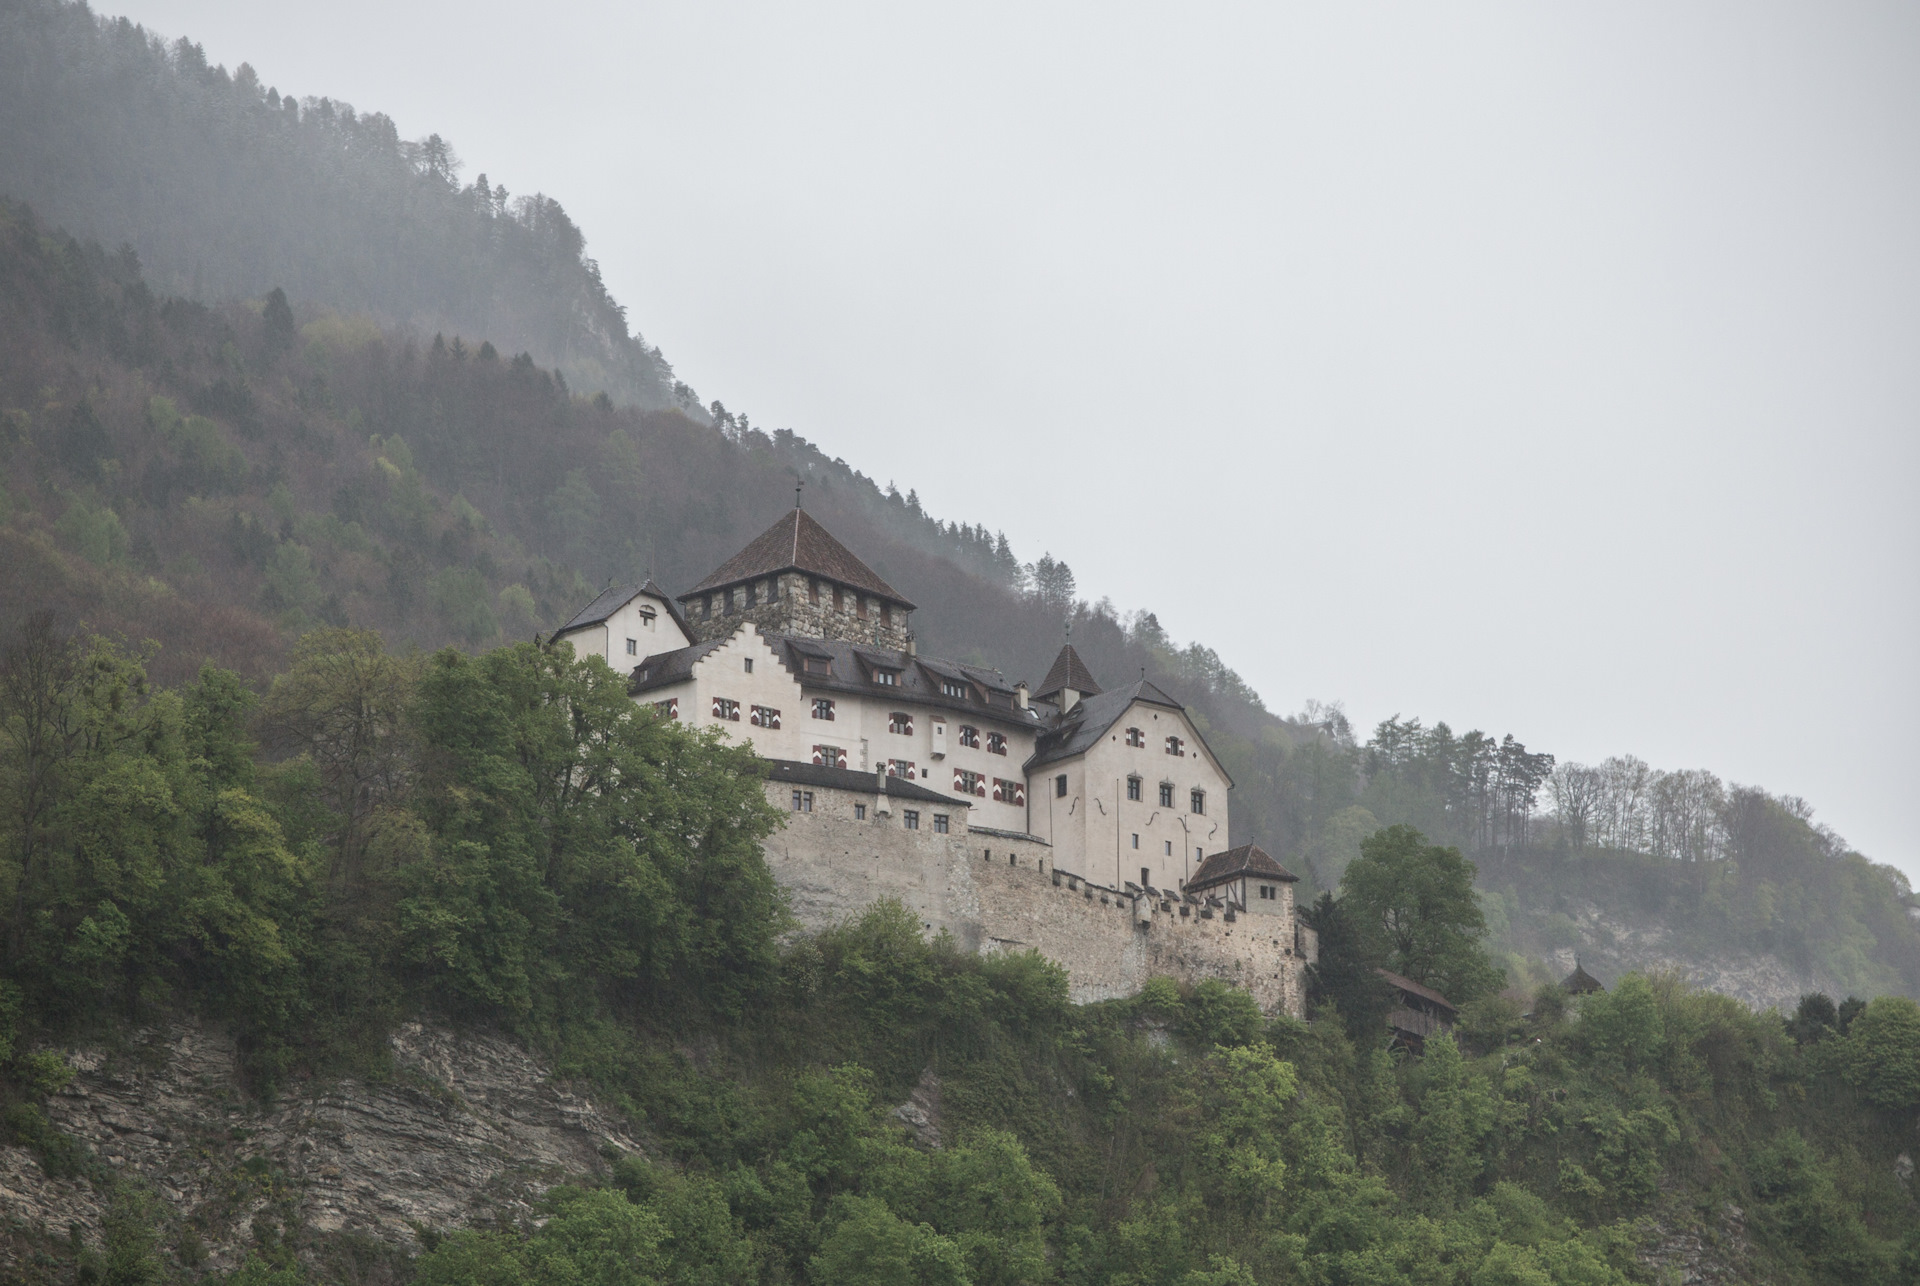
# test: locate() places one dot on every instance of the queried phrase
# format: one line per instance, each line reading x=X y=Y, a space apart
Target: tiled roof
x=1580 y=982
x=1068 y=671
x=1413 y=988
x=798 y=543
x=1078 y=729
x=865 y=783
x=666 y=668
x=612 y=600
x=1248 y=859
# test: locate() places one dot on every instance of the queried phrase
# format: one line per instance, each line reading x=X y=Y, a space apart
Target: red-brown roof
x=798 y=543
x=1248 y=859
x=1413 y=988
x=1068 y=671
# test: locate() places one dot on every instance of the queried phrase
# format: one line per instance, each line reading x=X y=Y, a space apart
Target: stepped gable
x=799 y=544
x=1090 y=720
x=612 y=599
x=1068 y=671
x=666 y=668
x=1248 y=859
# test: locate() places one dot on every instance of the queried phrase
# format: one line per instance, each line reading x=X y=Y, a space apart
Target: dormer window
x=1175 y=746
x=1136 y=738
x=820 y=665
x=953 y=688
x=887 y=678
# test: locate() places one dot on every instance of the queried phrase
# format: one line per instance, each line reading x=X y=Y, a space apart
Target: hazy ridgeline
x=227 y=187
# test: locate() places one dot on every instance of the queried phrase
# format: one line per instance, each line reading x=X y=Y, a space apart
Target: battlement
x=996 y=890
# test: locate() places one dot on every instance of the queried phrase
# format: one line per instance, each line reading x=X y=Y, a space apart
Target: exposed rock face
x=1611 y=946
x=921 y=1112
x=469 y=1129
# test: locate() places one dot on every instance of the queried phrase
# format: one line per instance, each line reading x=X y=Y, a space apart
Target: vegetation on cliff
x=506 y=839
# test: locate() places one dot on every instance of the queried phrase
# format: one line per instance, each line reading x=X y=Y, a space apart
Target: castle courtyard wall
x=1000 y=891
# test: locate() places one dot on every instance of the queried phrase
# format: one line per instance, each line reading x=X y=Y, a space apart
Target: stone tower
x=795 y=578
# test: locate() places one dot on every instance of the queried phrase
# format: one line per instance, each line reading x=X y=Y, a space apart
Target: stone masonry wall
x=994 y=891
x=792 y=611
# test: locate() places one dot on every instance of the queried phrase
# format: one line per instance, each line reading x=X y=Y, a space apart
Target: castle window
x=749 y=664
x=726 y=709
x=1175 y=746
x=633 y=647
x=829 y=757
x=1009 y=792
x=859 y=812
x=996 y=743
x=1197 y=801
x=969 y=783
x=802 y=801
x=953 y=688
x=1136 y=738
x=1166 y=794
x=1266 y=892
x=970 y=737
x=1197 y=851
x=887 y=678
x=902 y=768
x=1060 y=786
x=647 y=614
x=900 y=723
x=739 y=597
x=939 y=823
x=1133 y=789
x=668 y=709
x=1169 y=844
x=1146 y=877
x=1136 y=839
x=823 y=708
x=764 y=717
x=910 y=819
x=817 y=665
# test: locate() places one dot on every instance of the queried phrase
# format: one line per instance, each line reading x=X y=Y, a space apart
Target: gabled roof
x=1412 y=988
x=1081 y=727
x=612 y=600
x=1068 y=671
x=1248 y=859
x=798 y=543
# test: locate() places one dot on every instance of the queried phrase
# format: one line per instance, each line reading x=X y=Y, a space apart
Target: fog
x=1550 y=371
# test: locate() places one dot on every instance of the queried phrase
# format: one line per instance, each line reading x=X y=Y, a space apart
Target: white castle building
x=1088 y=824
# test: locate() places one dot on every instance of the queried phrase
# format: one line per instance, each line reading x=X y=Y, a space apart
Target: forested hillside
x=227 y=187
x=220 y=479
x=504 y=843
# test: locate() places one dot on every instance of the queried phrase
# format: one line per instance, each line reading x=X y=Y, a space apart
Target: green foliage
x=1415 y=901
x=93 y=531
x=1881 y=1053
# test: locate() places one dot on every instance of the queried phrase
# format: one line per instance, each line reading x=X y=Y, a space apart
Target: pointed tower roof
x=1068 y=671
x=798 y=543
x=1580 y=982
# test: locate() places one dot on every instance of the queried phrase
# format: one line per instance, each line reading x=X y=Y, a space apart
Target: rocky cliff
x=463 y=1130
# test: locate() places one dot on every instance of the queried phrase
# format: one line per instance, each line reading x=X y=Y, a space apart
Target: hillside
x=221 y=479
x=463 y=973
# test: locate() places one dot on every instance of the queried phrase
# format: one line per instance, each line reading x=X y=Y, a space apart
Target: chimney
x=913 y=646
x=1020 y=694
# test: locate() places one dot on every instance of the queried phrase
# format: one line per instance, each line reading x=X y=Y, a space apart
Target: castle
x=1085 y=823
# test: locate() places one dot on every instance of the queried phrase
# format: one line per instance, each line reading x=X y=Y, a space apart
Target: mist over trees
x=227 y=187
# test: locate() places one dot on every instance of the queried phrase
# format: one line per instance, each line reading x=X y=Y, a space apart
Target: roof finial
x=798 y=483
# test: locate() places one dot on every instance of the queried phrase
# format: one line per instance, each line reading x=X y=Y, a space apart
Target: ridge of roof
x=1089 y=720
x=612 y=599
x=1247 y=859
x=1408 y=984
x=797 y=542
x=1069 y=671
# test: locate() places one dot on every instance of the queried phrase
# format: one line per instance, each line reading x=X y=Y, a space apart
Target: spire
x=799 y=483
x=1069 y=679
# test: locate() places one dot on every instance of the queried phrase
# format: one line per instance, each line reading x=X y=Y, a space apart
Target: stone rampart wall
x=994 y=891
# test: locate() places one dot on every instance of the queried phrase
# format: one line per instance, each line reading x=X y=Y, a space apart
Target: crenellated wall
x=998 y=891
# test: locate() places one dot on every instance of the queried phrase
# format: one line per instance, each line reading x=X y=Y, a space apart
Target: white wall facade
x=645 y=622
x=1099 y=833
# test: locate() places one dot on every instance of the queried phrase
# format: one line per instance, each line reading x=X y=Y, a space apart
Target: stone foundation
x=997 y=891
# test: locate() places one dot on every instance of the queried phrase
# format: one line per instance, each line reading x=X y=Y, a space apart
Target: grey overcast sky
x=1549 y=369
